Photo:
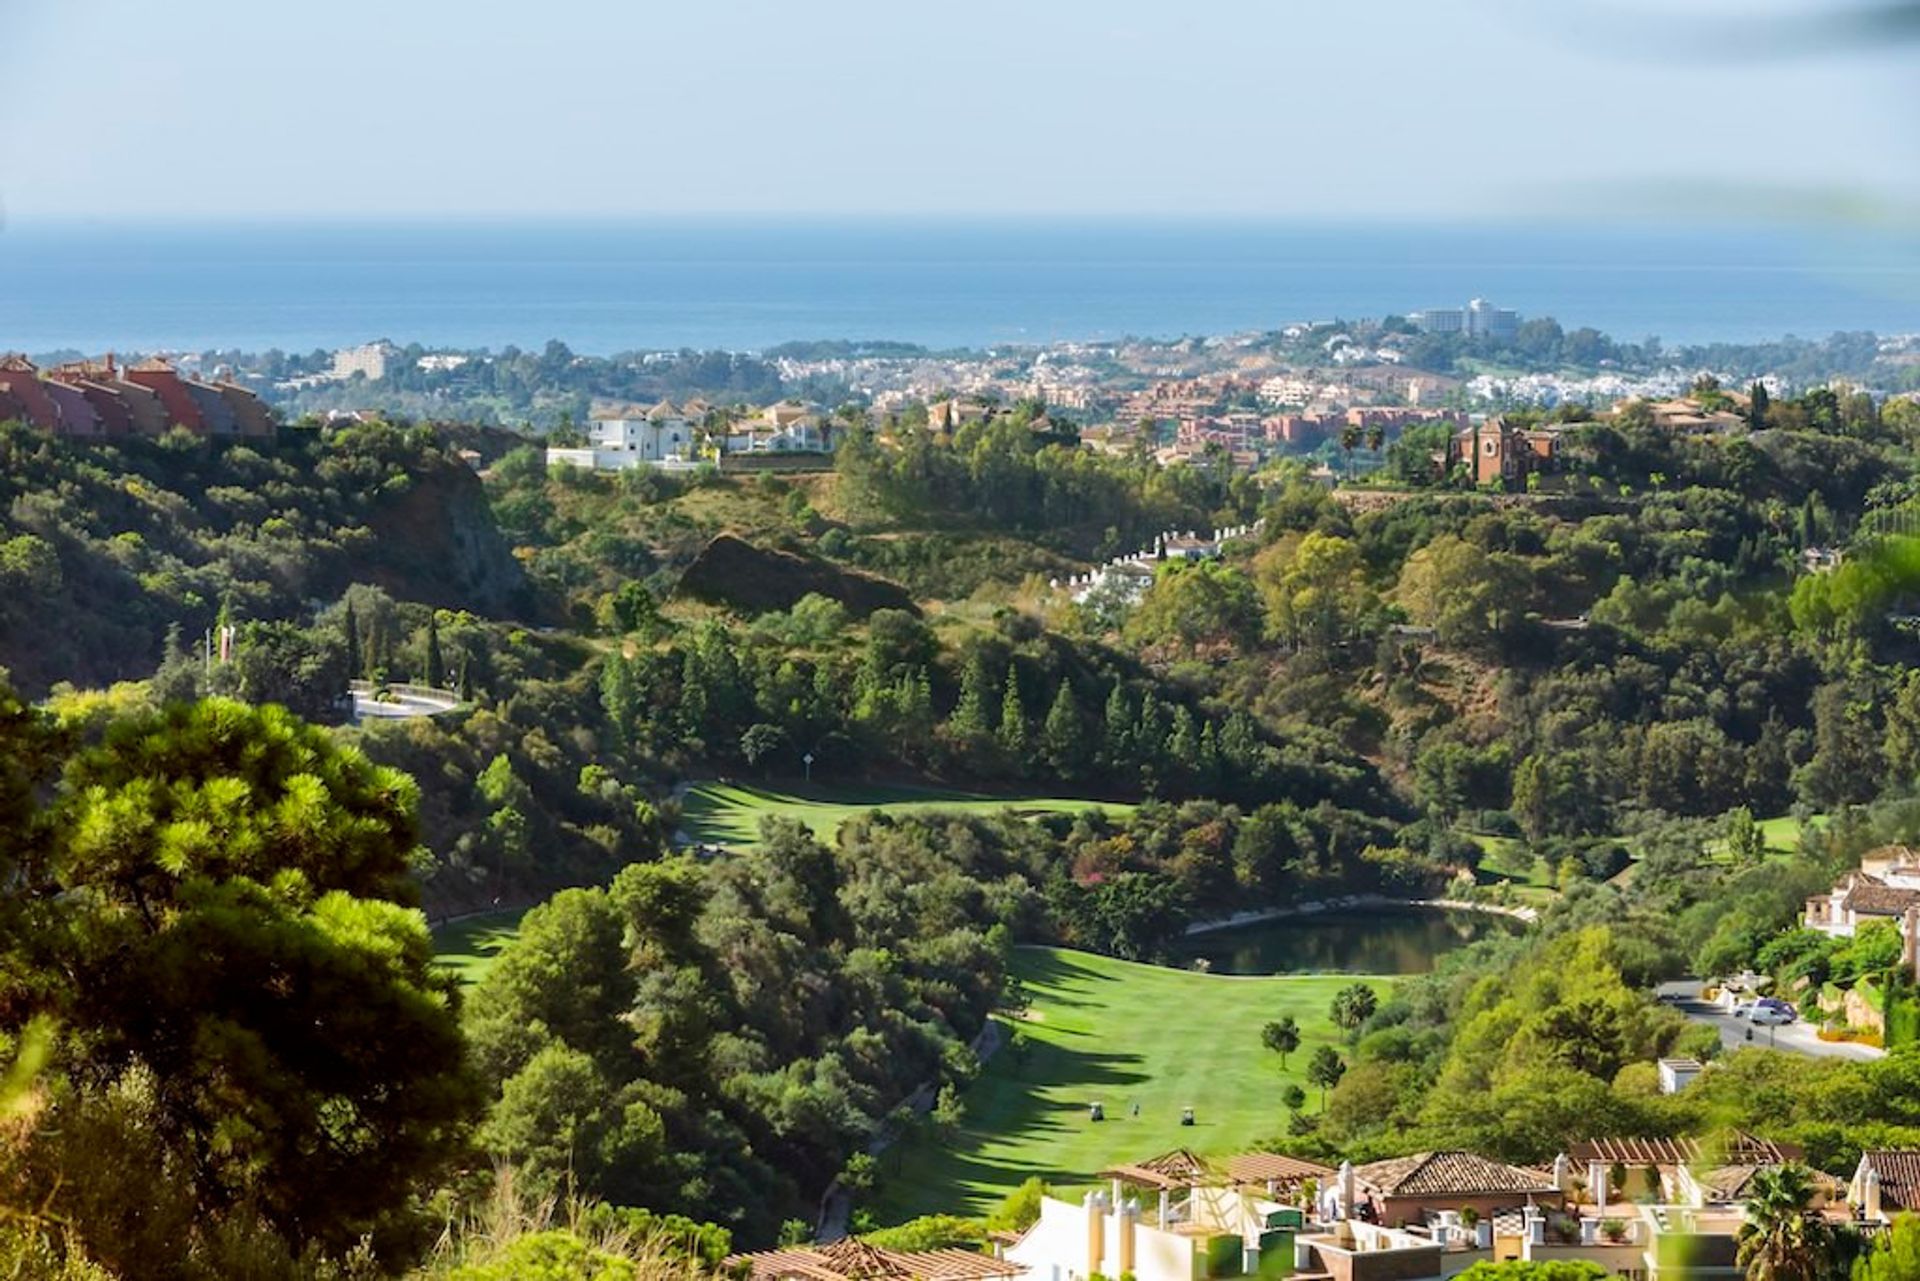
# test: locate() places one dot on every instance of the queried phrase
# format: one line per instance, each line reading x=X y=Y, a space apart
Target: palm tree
x=1782 y=1240
x=1376 y=437
x=1349 y=441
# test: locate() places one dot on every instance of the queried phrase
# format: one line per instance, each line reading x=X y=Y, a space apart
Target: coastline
x=1527 y=915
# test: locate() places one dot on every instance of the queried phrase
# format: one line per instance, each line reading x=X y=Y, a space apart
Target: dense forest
x=1586 y=693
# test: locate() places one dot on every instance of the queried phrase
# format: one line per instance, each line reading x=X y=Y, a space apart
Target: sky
x=1406 y=109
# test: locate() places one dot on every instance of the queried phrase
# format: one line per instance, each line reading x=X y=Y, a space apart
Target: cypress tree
x=355 y=667
x=436 y=664
x=617 y=696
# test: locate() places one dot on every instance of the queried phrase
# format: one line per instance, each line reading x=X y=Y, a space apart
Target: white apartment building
x=370 y=360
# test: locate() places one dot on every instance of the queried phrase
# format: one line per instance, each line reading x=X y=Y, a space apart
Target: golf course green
x=719 y=813
x=1120 y=1034
x=469 y=945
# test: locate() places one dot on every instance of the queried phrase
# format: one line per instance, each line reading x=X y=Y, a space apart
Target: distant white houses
x=785 y=427
x=620 y=437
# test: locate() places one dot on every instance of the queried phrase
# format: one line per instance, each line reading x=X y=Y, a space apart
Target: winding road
x=1796 y=1038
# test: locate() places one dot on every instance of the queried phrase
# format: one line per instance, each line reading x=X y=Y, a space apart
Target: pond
x=1376 y=941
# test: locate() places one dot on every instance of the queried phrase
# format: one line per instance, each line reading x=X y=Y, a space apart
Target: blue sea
x=745 y=285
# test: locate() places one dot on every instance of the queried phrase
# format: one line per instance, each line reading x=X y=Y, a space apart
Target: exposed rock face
x=438 y=544
x=733 y=572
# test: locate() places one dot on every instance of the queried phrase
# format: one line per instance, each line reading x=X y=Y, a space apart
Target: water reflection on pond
x=1360 y=942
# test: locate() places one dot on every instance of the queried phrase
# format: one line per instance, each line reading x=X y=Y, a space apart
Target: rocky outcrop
x=733 y=572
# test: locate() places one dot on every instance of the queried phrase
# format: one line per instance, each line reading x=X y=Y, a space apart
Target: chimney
x=1872 y=1194
x=1346 y=1189
x=1563 y=1175
x=1129 y=1220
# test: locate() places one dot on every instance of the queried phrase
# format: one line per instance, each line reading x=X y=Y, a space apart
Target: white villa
x=1887 y=888
x=624 y=436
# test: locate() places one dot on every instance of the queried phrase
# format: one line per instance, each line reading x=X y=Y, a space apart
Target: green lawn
x=730 y=813
x=1120 y=1033
x=469 y=946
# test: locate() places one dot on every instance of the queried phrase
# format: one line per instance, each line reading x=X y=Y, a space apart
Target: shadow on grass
x=1013 y=1114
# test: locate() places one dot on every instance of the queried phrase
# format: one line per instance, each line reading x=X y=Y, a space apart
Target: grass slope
x=1121 y=1033
x=730 y=813
x=468 y=946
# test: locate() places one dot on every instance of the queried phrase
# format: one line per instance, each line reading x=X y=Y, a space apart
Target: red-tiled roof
x=1899 y=1173
x=1450 y=1174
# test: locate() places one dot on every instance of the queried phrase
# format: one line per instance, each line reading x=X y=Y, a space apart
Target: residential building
x=1886 y=1182
x=1885 y=887
x=624 y=436
x=1498 y=454
x=250 y=415
x=215 y=410
x=1175 y=1217
x=158 y=376
x=1618 y=1171
x=77 y=417
x=1409 y=1189
x=26 y=394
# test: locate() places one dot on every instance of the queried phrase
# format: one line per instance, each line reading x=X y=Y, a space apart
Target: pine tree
x=1183 y=745
x=1151 y=740
x=1207 y=765
x=466 y=679
x=1761 y=403
x=1062 y=735
x=972 y=714
x=436 y=664
x=356 y=668
x=1013 y=720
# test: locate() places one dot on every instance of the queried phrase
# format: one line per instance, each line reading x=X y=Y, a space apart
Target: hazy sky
x=1416 y=108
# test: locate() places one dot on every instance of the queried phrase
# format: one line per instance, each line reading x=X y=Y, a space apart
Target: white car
x=1770 y=1013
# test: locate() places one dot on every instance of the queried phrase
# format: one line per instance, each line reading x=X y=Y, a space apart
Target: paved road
x=398 y=706
x=1797 y=1037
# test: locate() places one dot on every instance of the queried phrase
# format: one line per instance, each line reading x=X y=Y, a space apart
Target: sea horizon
x=746 y=284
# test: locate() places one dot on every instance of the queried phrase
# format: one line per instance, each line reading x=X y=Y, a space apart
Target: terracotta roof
x=1899 y=1173
x=855 y=1260
x=1875 y=897
x=1735 y=1147
x=1449 y=1174
x=1273 y=1167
